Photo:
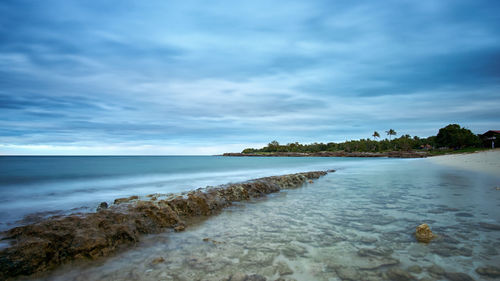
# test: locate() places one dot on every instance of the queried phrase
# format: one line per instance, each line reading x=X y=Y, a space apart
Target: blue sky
x=206 y=77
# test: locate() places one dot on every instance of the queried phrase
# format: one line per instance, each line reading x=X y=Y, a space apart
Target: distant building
x=491 y=138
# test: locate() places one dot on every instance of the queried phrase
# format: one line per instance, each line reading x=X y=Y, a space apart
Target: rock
x=424 y=233
x=292 y=251
x=379 y=252
x=125 y=200
x=376 y=258
x=255 y=277
x=180 y=227
x=238 y=277
x=102 y=206
x=397 y=274
x=368 y=240
x=489 y=270
x=489 y=226
x=458 y=276
x=436 y=270
x=283 y=269
x=415 y=269
x=157 y=260
x=348 y=273
x=44 y=245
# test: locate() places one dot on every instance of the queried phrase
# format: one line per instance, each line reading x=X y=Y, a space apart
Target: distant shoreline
x=390 y=154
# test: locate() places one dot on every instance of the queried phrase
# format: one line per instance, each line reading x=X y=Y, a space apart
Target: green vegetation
x=450 y=138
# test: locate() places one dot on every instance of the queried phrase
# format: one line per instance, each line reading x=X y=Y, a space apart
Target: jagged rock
x=458 y=276
x=424 y=233
x=44 y=245
x=397 y=274
x=489 y=270
x=102 y=206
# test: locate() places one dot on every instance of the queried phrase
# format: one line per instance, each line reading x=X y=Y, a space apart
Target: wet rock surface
x=424 y=234
x=45 y=245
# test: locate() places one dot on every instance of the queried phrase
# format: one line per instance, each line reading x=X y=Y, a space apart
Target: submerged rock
x=245 y=277
x=458 y=276
x=45 y=245
x=436 y=270
x=348 y=273
x=424 y=233
x=489 y=226
x=397 y=274
x=490 y=271
x=283 y=269
x=157 y=260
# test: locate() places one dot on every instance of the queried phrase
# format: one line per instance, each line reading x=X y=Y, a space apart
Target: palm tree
x=390 y=133
x=376 y=135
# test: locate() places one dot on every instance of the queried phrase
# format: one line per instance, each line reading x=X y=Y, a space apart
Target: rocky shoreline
x=390 y=154
x=45 y=245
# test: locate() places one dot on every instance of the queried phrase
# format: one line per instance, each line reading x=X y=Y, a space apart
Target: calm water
x=46 y=186
x=354 y=224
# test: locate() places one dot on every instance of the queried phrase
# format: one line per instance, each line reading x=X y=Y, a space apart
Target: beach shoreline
x=389 y=154
x=483 y=161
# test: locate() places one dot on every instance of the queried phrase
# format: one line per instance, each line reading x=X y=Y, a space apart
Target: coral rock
x=424 y=233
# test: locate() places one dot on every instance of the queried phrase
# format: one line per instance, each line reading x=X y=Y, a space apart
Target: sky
x=207 y=77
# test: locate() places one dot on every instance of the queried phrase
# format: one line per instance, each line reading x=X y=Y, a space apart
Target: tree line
x=450 y=137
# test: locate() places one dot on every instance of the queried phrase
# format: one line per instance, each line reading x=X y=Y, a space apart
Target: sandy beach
x=484 y=161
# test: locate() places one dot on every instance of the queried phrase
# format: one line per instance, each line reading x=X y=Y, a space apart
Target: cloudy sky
x=205 y=77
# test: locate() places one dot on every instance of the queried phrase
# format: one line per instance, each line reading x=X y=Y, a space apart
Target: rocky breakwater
x=45 y=245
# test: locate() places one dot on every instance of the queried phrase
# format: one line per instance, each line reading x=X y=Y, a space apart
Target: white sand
x=485 y=161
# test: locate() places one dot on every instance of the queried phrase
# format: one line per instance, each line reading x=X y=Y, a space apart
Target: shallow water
x=354 y=224
x=34 y=187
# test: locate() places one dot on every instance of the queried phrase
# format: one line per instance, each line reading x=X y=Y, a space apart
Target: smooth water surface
x=354 y=224
x=33 y=187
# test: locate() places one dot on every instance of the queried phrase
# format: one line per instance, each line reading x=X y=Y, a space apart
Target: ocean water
x=35 y=187
x=354 y=224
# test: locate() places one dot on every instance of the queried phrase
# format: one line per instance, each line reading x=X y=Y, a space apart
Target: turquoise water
x=33 y=187
x=354 y=224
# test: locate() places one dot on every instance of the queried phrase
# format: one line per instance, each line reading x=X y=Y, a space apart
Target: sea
x=357 y=223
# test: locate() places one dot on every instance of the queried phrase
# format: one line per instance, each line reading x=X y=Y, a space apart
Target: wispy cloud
x=172 y=77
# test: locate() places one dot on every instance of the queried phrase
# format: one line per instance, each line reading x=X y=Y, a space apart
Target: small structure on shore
x=490 y=137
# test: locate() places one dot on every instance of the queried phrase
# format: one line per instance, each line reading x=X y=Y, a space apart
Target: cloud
x=159 y=74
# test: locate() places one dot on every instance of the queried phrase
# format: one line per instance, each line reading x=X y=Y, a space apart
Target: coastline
x=43 y=246
x=483 y=161
x=390 y=154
